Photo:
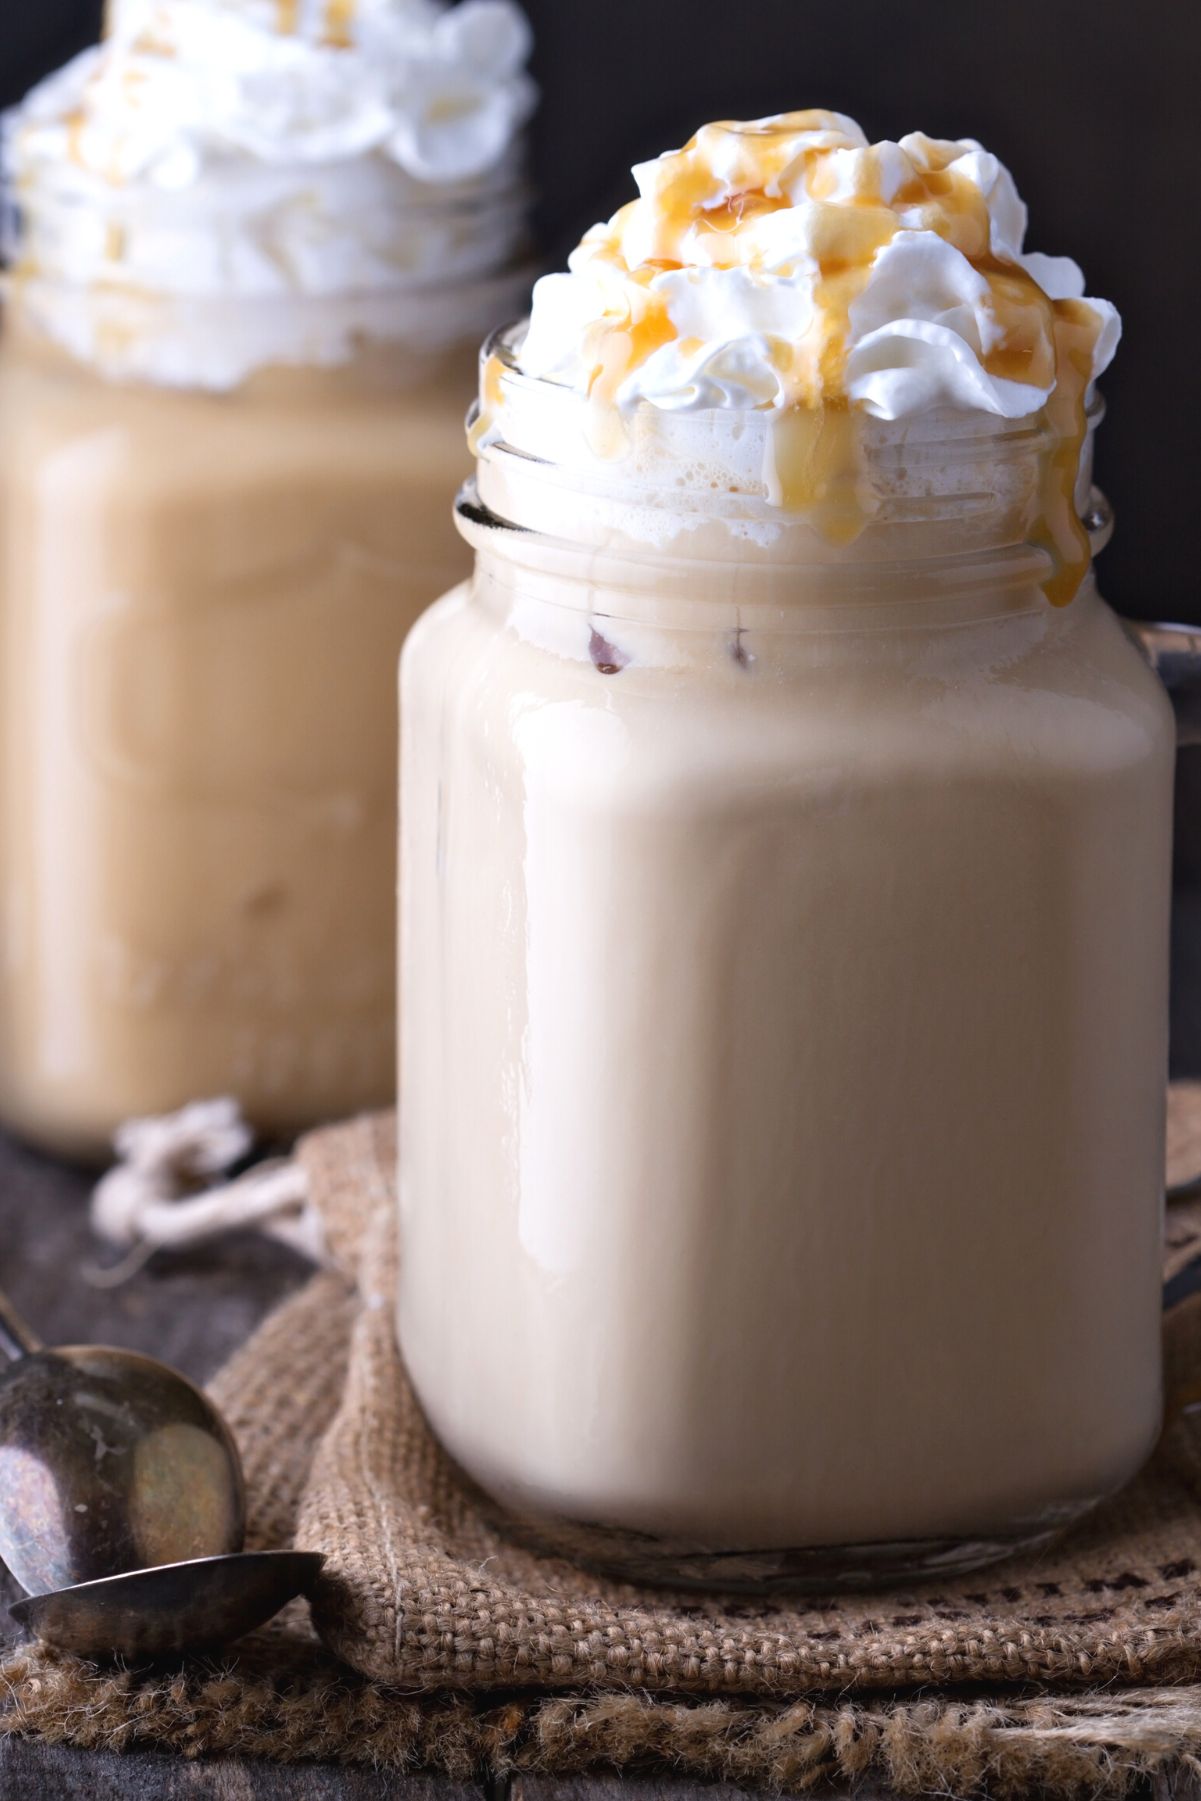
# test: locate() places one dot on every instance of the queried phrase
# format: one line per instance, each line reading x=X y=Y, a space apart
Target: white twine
x=163 y=1192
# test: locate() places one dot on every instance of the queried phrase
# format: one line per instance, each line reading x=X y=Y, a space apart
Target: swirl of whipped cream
x=790 y=274
x=179 y=86
x=789 y=262
x=270 y=150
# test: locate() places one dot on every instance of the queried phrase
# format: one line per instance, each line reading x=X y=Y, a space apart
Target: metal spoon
x=122 y=1510
x=194 y=1606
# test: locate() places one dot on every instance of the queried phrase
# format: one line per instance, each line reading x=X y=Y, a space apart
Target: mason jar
x=784 y=1004
x=220 y=513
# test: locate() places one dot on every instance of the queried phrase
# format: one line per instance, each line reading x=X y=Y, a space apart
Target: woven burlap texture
x=472 y=1654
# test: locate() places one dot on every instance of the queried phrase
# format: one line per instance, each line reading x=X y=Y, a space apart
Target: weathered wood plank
x=669 y=1788
x=1181 y=1787
x=30 y=1771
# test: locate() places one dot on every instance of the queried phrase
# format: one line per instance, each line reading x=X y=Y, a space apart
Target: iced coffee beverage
x=785 y=870
x=254 y=251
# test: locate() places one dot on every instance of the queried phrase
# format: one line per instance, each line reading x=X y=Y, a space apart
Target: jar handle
x=1174 y=652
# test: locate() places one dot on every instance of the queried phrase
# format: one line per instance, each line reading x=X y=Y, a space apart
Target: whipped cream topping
x=180 y=85
x=789 y=261
x=273 y=148
x=787 y=266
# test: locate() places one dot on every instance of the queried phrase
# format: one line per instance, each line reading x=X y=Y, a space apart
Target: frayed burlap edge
x=1059 y=1748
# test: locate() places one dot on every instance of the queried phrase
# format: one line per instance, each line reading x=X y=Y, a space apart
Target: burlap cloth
x=1056 y=1675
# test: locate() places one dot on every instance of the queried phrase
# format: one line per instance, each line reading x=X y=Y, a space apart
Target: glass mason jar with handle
x=784 y=973
x=231 y=404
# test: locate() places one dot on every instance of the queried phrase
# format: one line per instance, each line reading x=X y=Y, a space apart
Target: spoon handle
x=16 y=1340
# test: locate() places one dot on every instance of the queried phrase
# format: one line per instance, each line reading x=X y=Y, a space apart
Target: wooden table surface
x=193 y=1311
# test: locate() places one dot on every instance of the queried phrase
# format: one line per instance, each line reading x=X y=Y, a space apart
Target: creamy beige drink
x=232 y=384
x=197 y=835
x=785 y=853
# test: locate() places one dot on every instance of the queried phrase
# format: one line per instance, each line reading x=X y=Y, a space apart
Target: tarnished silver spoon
x=122 y=1509
x=194 y=1606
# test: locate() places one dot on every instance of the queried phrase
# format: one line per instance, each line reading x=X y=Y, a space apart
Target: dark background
x=1094 y=104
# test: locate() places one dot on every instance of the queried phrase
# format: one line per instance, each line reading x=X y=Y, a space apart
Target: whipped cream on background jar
x=785 y=883
x=252 y=249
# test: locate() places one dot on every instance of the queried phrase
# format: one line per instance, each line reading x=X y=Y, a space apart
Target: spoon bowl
x=198 y=1605
x=110 y=1461
x=122 y=1507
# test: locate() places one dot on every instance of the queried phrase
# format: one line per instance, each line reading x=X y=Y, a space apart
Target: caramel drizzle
x=339 y=23
x=813 y=466
x=76 y=127
x=814 y=461
x=492 y=399
x=1059 y=529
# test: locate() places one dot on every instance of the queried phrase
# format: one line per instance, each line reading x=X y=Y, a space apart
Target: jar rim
x=953 y=489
